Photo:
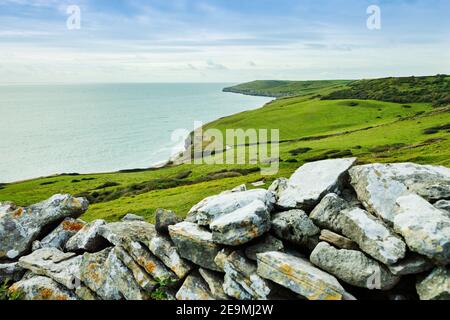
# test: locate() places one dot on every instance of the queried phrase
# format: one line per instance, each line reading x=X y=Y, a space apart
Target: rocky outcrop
x=382 y=228
x=24 y=225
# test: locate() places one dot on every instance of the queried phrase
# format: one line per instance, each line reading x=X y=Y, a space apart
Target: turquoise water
x=52 y=129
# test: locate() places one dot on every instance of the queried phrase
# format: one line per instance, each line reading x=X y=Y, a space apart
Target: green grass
x=310 y=129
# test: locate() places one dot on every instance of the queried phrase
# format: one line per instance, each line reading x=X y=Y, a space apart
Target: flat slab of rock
x=143 y=279
x=353 y=267
x=106 y=275
x=379 y=185
x=164 y=249
x=42 y=288
x=242 y=271
x=412 y=264
x=195 y=244
x=194 y=288
x=62 y=267
x=373 y=237
x=337 y=240
x=265 y=244
x=327 y=214
x=311 y=182
x=425 y=229
x=132 y=217
x=11 y=272
x=121 y=233
x=59 y=237
x=242 y=225
x=295 y=226
x=213 y=207
x=215 y=282
x=299 y=275
x=24 y=225
x=436 y=286
x=88 y=238
x=94 y=276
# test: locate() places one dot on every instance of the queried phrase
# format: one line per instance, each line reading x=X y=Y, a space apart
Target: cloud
x=210 y=64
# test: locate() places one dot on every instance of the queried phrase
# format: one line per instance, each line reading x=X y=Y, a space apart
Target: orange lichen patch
x=45 y=293
x=18 y=213
x=93 y=274
x=61 y=298
x=72 y=226
x=286 y=269
x=150 y=267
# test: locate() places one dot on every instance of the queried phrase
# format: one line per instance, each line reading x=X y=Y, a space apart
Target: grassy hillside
x=276 y=88
x=311 y=128
x=434 y=89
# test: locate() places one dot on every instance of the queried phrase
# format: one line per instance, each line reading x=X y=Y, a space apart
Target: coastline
x=161 y=164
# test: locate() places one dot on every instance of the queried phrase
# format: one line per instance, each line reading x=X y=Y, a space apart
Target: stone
x=444 y=206
x=106 y=275
x=134 y=237
x=215 y=282
x=165 y=250
x=143 y=279
x=373 y=237
x=242 y=271
x=88 y=238
x=59 y=237
x=242 y=225
x=221 y=257
x=121 y=233
x=436 y=286
x=195 y=244
x=24 y=225
x=265 y=244
x=337 y=240
x=234 y=289
x=211 y=208
x=295 y=226
x=299 y=275
x=164 y=219
x=194 y=288
x=311 y=182
x=425 y=229
x=84 y=293
x=132 y=217
x=42 y=288
x=123 y=278
x=11 y=272
x=95 y=276
x=379 y=185
x=412 y=264
x=239 y=188
x=62 y=267
x=327 y=214
x=278 y=186
x=353 y=267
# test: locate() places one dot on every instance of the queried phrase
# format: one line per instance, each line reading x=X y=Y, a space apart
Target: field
x=314 y=124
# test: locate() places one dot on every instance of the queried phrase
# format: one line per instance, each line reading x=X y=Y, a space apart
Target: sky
x=220 y=40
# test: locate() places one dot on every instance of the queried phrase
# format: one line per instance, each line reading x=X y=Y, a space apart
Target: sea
x=93 y=128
